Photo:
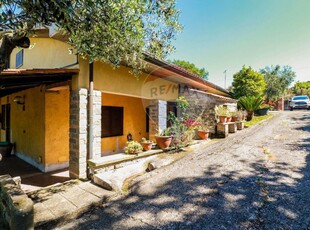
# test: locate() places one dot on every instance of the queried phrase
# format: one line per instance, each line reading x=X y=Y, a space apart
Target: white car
x=301 y=102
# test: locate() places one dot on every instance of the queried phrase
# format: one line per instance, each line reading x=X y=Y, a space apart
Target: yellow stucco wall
x=27 y=126
x=41 y=130
x=82 y=80
x=57 y=127
x=120 y=81
x=45 y=53
x=134 y=121
x=50 y=53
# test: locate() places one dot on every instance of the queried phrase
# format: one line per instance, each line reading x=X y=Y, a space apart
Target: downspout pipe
x=90 y=114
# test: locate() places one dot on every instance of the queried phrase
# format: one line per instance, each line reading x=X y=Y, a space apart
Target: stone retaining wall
x=201 y=104
x=204 y=104
x=16 y=209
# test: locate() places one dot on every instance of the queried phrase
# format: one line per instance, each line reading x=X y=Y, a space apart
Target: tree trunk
x=7 y=44
x=249 y=116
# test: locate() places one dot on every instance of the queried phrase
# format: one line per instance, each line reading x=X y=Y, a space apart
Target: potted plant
x=146 y=144
x=164 y=138
x=133 y=147
x=250 y=104
x=222 y=113
x=263 y=109
x=189 y=129
x=240 y=115
x=229 y=116
x=6 y=149
x=202 y=128
x=234 y=116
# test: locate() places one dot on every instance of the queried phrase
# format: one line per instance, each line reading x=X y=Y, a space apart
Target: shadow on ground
x=31 y=177
x=261 y=199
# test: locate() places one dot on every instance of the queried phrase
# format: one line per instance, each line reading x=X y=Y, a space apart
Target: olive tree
x=192 y=68
x=278 y=79
x=302 y=88
x=112 y=31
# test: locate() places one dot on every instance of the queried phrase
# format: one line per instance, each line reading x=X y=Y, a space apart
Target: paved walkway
x=66 y=200
x=256 y=179
x=55 y=196
x=31 y=178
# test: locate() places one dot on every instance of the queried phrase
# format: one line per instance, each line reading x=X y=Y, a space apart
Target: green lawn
x=257 y=120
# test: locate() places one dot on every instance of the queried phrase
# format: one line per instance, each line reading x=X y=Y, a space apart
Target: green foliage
x=106 y=30
x=302 y=88
x=165 y=132
x=250 y=103
x=257 y=120
x=192 y=68
x=240 y=115
x=248 y=82
x=133 y=147
x=202 y=124
x=221 y=110
x=182 y=103
x=182 y=127
x=144 y=140
x=278 y=79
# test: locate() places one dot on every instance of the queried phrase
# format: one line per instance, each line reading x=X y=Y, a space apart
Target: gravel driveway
x=256 y=179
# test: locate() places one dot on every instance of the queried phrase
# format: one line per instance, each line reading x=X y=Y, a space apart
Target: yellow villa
x=59 y=110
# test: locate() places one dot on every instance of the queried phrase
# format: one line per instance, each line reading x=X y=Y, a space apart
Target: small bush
x=133 y=147
x=250 y=104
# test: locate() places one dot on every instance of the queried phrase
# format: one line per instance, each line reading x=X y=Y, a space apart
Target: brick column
x=158 y=117
x=280 y=104
x=96 y=124
x=78 y=134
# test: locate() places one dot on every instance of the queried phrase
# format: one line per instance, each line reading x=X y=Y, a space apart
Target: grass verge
x=257 y=120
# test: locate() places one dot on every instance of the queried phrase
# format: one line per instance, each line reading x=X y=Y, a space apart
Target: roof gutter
x=184 y=73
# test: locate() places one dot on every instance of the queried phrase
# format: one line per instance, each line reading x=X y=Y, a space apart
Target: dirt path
x=255 y=179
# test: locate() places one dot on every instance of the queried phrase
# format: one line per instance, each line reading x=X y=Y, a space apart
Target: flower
x=265 y=106
x=191 y=123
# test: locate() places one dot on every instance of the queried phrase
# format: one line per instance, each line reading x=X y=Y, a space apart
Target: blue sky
x=224 y=35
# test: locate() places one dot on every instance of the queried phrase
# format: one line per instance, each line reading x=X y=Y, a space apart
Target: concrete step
x=118 y=160
x=110 y=172
x=114 y=179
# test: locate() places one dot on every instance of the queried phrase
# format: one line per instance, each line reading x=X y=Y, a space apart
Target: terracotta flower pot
x=222 y=119
x=5 y=149
x=163 y=142
x=147 y=145
x=233 y=119
x=228 y=119
x=203 y=134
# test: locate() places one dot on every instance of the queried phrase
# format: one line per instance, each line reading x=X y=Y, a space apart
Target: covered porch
x=31 y=177
x=33 y=105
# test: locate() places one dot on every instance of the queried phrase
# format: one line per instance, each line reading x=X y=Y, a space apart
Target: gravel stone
x=257 y=178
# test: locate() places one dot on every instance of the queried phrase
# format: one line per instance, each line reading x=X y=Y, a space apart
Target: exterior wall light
x=129 y=137
x=19 y=100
